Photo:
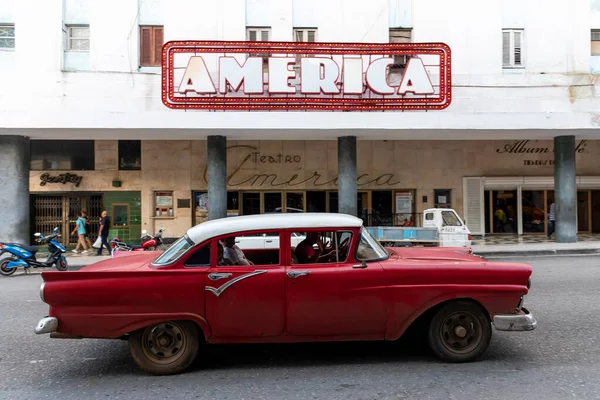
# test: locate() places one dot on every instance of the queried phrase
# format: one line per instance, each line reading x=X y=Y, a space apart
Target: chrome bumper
x=524 y=321
x=46 y=325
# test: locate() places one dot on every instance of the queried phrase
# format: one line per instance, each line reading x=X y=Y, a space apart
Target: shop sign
x=239 y=178
x=525 y=147
x=62 y=178
x=305 y=76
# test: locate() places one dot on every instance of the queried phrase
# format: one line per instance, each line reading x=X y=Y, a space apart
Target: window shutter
x=506 y=48
x=264 y=36
x=517 y=40
x=299 y=36
x=473 y=207
x=252 y=36
x=158 y=43
x=145 y=46
x=311 y=36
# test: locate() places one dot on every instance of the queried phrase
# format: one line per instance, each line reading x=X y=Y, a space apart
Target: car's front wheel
x=165 y=348
x=460 y=331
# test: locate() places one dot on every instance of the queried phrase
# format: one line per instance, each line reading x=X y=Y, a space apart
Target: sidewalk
x=534 y=245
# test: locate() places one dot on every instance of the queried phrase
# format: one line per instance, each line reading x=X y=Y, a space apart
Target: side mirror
x=362 y=265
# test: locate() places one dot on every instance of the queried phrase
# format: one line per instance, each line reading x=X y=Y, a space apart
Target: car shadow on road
x=116 y=361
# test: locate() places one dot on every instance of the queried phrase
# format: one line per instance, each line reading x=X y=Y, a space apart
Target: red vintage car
x=337 y=284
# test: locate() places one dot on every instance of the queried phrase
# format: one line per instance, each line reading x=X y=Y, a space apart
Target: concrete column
x=14 y=196
x=565 y=189
x=347 y=189
x=217 y=177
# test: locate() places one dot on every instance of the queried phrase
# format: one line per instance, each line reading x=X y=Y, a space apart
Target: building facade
x=83 y=125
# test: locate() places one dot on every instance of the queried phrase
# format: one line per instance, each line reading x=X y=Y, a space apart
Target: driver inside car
x=305 y=251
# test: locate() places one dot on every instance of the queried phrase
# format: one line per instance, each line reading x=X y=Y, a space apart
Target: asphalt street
x=559 y=360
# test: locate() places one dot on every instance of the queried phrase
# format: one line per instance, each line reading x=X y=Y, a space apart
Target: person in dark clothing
x=103 y=232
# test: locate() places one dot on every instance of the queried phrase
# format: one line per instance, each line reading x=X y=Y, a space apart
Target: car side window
x=322 y=247
x=200 y=258
x=257 y=248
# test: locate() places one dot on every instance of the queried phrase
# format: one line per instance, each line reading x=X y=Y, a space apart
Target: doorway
x=595 y=206
x=50 y=211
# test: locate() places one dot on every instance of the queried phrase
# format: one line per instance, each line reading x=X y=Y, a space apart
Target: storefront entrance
x=375 y=207
x=50 y=211
x=502 y=214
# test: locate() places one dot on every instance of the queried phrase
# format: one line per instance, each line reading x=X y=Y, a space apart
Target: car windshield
x=175 y=251
x=369 y=249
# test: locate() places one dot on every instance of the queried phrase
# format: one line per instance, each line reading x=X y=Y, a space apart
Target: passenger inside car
x=233 y=254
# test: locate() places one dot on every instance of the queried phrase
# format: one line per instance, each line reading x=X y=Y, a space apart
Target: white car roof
x=224 y=226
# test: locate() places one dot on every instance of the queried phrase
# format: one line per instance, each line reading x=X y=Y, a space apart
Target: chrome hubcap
x=460 y=331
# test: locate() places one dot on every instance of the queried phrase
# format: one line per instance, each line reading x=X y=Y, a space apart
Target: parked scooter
x=24 y=256
x=148 y=242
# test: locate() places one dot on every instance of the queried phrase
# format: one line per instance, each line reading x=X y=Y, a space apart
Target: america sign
x=287 y=76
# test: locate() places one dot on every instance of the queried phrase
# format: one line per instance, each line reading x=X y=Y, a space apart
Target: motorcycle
x=24 y=256
x=148 y=243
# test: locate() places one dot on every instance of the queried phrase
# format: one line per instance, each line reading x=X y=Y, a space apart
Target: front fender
x=402 y=315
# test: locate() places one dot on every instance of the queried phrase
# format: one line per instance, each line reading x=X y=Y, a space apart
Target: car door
x=453 y=233
x=245 y=300
x=341 y=298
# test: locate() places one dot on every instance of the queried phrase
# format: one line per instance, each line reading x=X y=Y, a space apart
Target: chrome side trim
x=46 y=325
x=223 y=287
x=515 y=322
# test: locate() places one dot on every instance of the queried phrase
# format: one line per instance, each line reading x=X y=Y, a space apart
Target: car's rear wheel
x=165 y=348
x=460 y=331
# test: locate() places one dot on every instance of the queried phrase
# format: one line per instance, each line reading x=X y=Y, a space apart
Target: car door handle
x=215 y=276
x=269 y=241
x=295 y=274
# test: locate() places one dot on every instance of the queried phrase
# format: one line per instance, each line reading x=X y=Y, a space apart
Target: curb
x=536 y=253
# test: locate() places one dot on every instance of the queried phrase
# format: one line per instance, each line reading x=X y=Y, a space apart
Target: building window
x=7 y=36
x=78 y=38
x=400 y=35
x=305 y=35
x=130 y=155
x=260 y=34
x=512 y=48
x=163 y=203
x=595 y=42
x=120 y=214
x=63 y=155
x=151 y=42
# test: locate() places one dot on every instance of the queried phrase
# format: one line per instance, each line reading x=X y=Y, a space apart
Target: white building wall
x=555 y=91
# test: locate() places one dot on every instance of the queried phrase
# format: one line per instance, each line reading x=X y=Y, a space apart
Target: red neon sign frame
x=300 y=102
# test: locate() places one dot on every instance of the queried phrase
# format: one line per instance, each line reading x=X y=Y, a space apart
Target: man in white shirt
x=233 y=253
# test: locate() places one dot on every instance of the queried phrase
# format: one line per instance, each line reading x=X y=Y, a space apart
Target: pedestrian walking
x=551 y=219
x=103 y=232
x=87 y=230
x=81 y=231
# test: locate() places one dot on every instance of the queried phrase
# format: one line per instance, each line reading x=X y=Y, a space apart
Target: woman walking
x=81 y=233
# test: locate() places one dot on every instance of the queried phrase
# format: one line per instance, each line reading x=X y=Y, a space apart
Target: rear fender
x=16 y=264
x=156 y=319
